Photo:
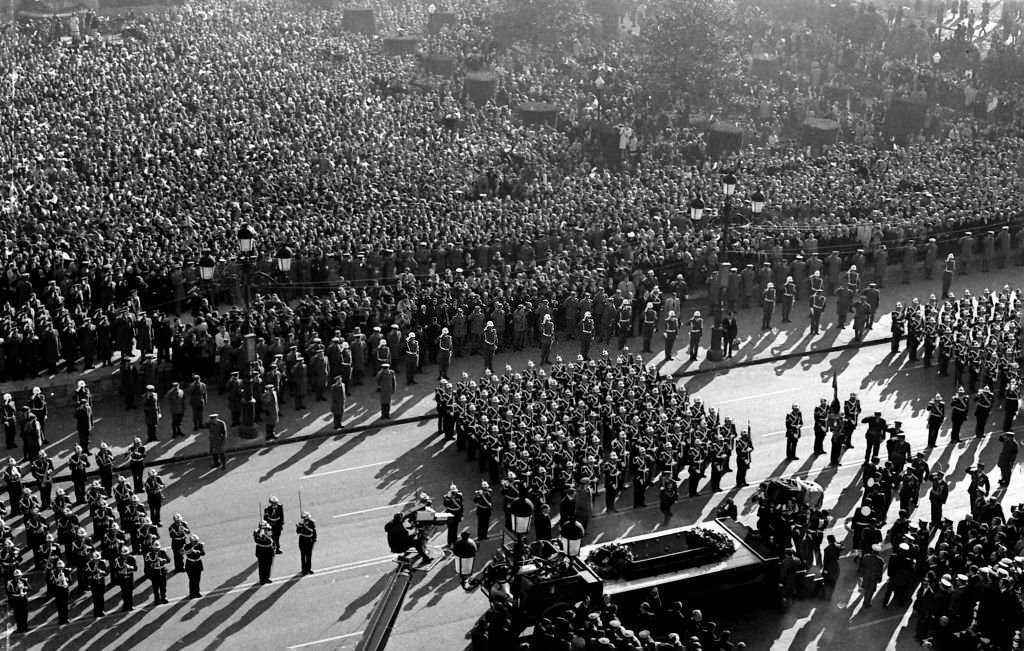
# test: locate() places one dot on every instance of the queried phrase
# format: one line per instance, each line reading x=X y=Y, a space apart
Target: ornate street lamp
x=757 y=201
x=696 y=209
x=572 y=538
x=464 y=552
x=284 y=259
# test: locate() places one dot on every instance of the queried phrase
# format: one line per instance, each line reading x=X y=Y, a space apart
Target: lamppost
x=757 y=201
x=521 y=513
x=464 y=552
x=571 y=536
x=207 y=267
x=247 y=257
x=715 y=352
x=284 y=262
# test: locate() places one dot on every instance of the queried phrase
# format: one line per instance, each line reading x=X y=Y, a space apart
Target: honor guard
x=649 y=326
x=17 y=600
x=794 y=421
x=936 y=414
x=958 y=406
x=179 y=532
x=273 y=515
x=982 y=409
x=123 y=569
x=264 y=551
x=305 y=528
x=696 y=332
x=586 y=335
x=193 y=553
x=820 y=426
x=157 y=566
x=898 y=327
x=818 y=302
x=767 y=306
x=483 y=504
x=670 y=334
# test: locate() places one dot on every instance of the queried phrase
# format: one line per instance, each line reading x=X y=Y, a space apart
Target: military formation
x=975 y=339
x=565 y=434
x=58 y=559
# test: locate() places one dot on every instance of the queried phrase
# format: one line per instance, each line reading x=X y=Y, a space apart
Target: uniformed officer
x=817 y=309
x=696 y=332
x=79 y=465
x=938 y=495
x=649 y=326
x=936 y=414
x=157 y=563
x=453 y=505
x=124 y=568
x=1011 y=404
x=264 y=551
x=193 y=553
x=412 y=358
x=137 y=463
x=897 y=327
x=547 y=338
x=483 y=501
x=105 y=466
x=794 y=421
x=744 y=452
x=982 y=409
x=306 y=530
x=154 y=496
x=490 y=336
x=179 y=532
x=151 y=411
x=586 y=335
x=788 y=298
x=97 y=570
x=671 y=332
x=273 y=515
x=61 y=582
x=17 y=600
x=386 y=385
x=444 y=354
x=948 y=270
x=820 y=426
x=767 y=306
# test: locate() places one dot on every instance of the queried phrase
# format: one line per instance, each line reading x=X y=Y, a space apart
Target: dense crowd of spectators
x=654 y=625
x=387 y=183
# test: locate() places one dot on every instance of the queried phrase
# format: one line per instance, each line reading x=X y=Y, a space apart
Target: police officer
x=157 y=562
x=264 y=551
x=649 y=326
x=936 y=414
x=154 y=495
x=306 y=530
x=794 y=421
x=105 y=466
x=193 y=552
x=42 y=470
x=273 y=515
x=490 y=336
x=788 y=298
x=937 y=496
x=123 y=569
x=897 y=327
x=483 y=501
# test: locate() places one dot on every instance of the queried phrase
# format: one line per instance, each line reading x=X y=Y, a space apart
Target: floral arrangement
x=720 y=544
x=610 y=561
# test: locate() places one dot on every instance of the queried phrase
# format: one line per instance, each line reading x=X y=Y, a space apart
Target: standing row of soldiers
x=977 y=339
x=92 y=563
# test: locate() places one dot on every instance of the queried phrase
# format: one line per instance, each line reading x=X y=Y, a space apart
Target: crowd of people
x=655 y=624
x=426 y=226
x=374 y=247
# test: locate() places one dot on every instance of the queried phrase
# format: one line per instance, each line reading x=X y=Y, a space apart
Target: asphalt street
x=353 y=481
